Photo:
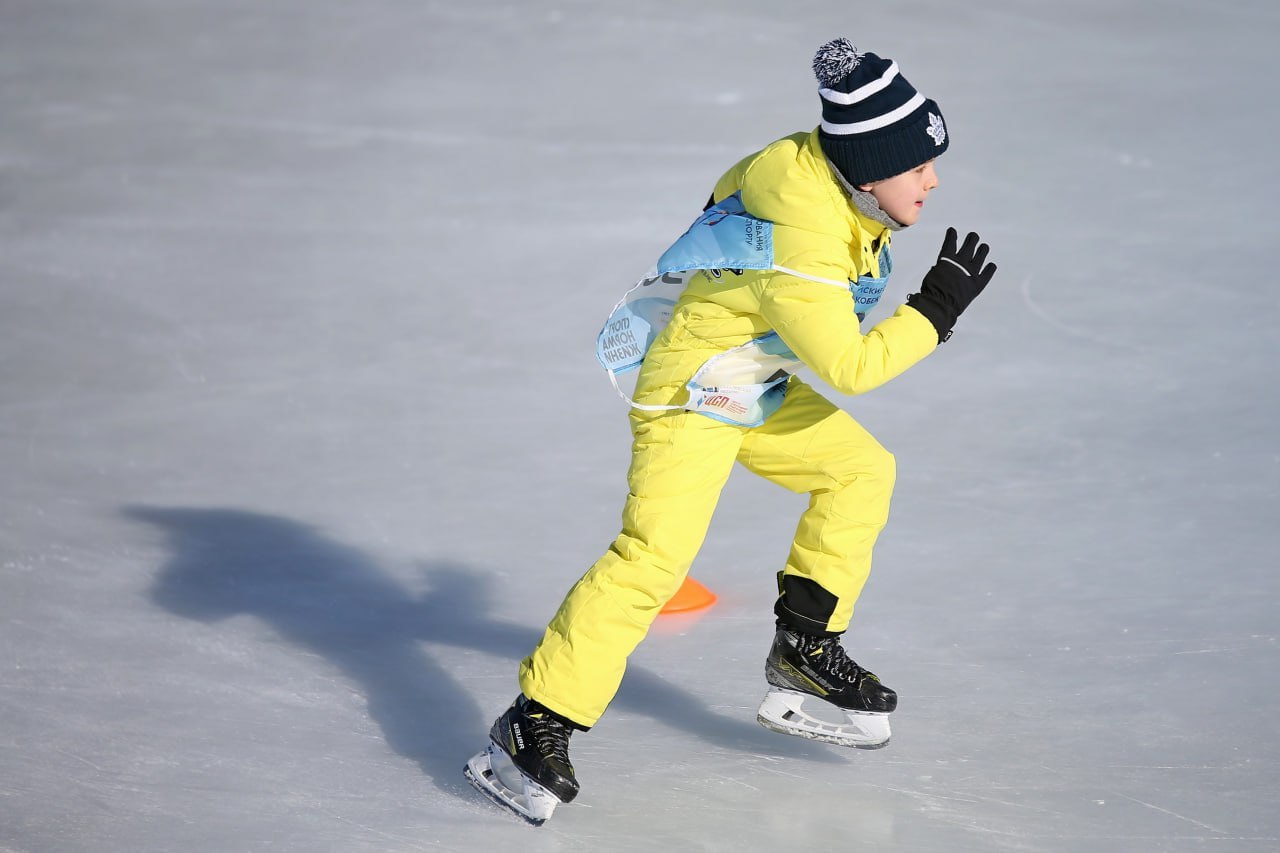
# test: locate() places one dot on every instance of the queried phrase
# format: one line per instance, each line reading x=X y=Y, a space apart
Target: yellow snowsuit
x=681 y=460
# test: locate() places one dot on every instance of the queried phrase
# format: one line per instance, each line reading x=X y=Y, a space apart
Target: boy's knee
x=874 y=465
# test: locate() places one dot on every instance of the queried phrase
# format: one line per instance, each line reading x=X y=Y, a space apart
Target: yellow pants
x=679 y=465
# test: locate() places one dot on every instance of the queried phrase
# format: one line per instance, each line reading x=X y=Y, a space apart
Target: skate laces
x=831 y=656
x=550 y=735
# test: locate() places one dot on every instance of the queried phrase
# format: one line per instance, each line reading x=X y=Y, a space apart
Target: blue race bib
x=725 y=236
x=867 y=290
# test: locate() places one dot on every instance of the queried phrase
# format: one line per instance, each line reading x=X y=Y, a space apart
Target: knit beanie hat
x=874 y=123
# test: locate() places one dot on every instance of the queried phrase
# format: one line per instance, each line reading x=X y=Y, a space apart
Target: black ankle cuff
x=538 y=707
x=804 y=605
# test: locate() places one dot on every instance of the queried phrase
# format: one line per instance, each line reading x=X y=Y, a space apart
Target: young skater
x=799 y=237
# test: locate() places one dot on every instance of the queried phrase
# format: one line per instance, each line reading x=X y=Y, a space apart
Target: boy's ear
x=866 y=188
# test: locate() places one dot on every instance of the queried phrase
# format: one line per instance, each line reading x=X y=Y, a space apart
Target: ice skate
x=525 y=767
x=816 y=691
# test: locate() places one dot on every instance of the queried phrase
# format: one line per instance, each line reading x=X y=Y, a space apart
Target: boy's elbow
x=859 y=385
x=855 y=378
x=861 y=368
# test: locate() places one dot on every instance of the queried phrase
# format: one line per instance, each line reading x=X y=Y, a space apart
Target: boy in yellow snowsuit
x=834 y=197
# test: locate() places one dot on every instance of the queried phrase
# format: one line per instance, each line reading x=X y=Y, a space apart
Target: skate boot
x=526 y=766
x=847 y=705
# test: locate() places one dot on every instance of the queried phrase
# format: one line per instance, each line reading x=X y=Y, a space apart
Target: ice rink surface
x=302 y=438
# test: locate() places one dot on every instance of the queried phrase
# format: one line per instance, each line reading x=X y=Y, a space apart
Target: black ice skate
x=526 y=766
x=802 y=666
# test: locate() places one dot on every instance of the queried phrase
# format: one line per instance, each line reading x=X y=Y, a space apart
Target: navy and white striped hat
x=874 y=123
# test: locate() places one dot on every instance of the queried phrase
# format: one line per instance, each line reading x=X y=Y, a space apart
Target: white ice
x=302 y=438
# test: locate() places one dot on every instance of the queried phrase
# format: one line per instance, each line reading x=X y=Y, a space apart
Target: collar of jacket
x=817 y=228
x=865 y=204
x=868 y=231
x=874 y=227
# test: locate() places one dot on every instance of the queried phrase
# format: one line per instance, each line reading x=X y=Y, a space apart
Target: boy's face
x=902 y=196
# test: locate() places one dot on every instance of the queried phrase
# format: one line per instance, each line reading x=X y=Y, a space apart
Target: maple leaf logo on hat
x=937 y=129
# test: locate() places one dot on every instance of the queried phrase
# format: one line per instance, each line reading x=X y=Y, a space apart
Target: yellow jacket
x=817 y=232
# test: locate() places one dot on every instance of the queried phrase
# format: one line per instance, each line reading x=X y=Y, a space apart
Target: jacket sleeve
x=818 y=323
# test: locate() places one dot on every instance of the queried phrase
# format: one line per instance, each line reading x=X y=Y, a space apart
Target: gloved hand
x=953 y=282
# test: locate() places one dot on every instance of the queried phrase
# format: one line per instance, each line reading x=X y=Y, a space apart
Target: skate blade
x=783 y=711
x=491 y=773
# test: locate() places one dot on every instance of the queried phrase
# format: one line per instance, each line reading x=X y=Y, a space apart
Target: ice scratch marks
x=1079 y=329
x=411 y=843
x=731 y=780
x=1192 y=821
x=1214 y=651
x=1135 y=650
x=79 y=758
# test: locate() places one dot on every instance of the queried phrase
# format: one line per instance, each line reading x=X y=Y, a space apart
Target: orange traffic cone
x=690 y=596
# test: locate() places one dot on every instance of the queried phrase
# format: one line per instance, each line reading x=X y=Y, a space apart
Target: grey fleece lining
x=866 y=202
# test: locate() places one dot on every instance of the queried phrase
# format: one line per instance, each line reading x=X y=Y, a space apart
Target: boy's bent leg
x=679 y=466
x=809 y=445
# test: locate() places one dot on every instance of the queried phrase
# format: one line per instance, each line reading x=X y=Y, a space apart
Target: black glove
x=955 y=281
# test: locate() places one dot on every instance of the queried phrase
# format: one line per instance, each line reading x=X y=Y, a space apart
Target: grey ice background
x=302 y=439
